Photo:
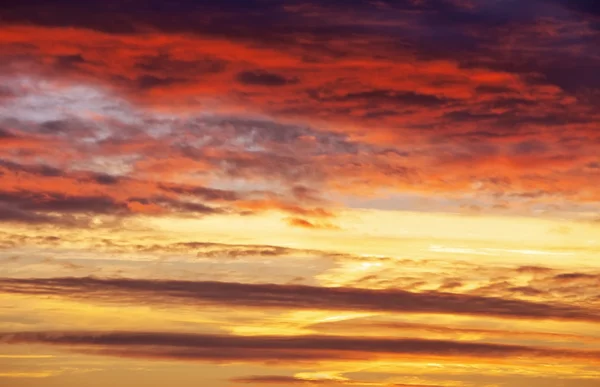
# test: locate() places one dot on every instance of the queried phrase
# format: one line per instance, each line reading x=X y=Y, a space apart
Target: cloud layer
x=270 y=348
x=416 y=179
x=462 y=108
x=290 y=297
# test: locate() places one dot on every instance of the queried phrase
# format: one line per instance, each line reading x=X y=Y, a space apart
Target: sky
x=270 y=193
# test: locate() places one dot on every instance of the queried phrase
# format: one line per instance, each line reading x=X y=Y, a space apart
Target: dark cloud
x=274 y=348
x=4 y=134
x=62 y=203
x=42 y=170
x=274 y=379
x=160 y=197
x=11 y=214
x=150 y=81
x=68 y=61
x=47 y=207
x=56 y=126
x=105 y=179
x=407 y=98
x=292 y=380
x=277 y=380
x=264 y=78
x=574 y=277
x=292 y=297
x=591 y=7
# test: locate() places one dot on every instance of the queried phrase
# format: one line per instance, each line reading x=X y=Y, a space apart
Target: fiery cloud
x=339 y=193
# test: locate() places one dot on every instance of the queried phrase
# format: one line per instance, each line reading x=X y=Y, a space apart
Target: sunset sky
x=270 y=193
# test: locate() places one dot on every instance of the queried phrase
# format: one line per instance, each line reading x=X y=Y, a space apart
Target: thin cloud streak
x=268 y=348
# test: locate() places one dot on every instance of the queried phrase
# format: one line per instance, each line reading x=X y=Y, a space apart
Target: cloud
x=590 y=7
x=292 y=380
x=5 y=134
x=51 y=189
x=48 y=202
x=308 y=94
x=399 y=98
x=284 y=349
x=303 y=223
x=51 y=207
x=201 y=192
x=121 y=290
x=158 y=247
x=377 y=326
x=11 y=214
x=150 y=81
x=130 y=110
x=263 y=78
x=279 y=380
